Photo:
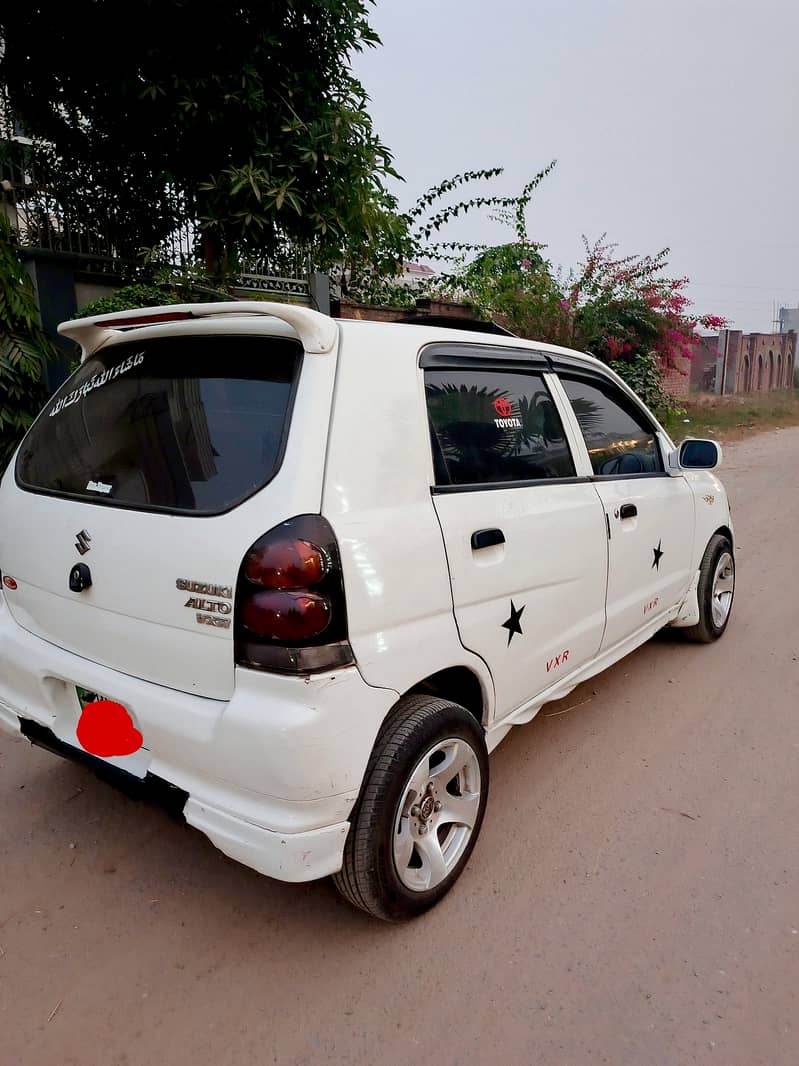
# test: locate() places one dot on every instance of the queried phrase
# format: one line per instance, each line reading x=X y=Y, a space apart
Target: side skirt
x=527 y=711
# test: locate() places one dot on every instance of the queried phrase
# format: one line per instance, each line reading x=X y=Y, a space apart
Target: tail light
x=290 y=611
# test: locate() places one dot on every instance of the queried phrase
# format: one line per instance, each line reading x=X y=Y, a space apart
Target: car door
x=650 y=514
x=525 y=536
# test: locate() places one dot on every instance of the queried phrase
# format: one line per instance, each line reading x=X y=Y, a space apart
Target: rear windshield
x=191 y=424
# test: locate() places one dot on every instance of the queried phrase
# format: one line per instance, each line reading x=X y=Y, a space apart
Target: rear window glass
x=191 y=424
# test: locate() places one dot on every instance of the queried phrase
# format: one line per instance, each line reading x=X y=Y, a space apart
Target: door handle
x=628 y=510
x=486 y=538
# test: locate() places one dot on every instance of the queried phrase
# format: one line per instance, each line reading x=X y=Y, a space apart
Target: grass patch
x=733 y=417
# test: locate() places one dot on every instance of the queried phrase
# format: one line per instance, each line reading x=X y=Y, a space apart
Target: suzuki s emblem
x=82 y=543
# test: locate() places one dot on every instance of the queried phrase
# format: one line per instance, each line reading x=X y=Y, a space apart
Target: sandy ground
x=633 y=899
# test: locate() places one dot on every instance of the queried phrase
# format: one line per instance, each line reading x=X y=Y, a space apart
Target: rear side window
x=494 y=426
x=619 y=437
x=187 y=424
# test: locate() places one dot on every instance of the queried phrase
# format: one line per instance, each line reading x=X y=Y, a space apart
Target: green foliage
x=368 y=270
x=514 y=284
x=170 y=285
x=608 y=328
x=643 y=373
x=24 y=348
x=131 y=296
x=248 y=121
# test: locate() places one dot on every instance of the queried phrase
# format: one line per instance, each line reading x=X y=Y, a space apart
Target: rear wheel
x=715 y=591
x=420 y=810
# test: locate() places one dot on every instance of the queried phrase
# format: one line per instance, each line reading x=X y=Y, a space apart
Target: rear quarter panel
x=377 y=498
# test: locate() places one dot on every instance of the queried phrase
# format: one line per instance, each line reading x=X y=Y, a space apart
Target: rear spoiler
x=317 y=332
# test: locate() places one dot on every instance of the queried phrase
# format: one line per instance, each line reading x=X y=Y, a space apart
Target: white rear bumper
x=271 y=776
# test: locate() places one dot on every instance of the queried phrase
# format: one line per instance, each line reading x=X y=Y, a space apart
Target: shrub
x=24 y=348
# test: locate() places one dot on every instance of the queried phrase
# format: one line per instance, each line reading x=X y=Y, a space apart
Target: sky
x=675 y=123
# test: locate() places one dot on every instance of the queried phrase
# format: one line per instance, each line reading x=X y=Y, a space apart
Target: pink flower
x=615 y=347
x=565 y=305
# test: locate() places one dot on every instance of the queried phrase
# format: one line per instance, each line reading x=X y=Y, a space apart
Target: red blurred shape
x=105 y=728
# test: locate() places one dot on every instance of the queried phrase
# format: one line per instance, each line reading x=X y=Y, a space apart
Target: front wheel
x=715 y=591
x=420 y=810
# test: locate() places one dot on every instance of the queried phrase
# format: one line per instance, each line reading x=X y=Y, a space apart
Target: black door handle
x=628 y=510
x=486 y=538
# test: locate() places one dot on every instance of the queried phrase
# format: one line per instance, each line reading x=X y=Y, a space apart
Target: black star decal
x=512 y=624
x=658 y=555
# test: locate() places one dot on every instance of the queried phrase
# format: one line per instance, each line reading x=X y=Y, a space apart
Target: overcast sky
x=674 y=123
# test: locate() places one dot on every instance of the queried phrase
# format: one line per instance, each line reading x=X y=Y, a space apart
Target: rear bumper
x=270 y=777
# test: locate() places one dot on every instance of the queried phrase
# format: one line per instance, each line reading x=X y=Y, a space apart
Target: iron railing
x=42 y=223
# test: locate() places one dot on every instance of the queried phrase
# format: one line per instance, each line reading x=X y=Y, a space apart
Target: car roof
x=424 y=334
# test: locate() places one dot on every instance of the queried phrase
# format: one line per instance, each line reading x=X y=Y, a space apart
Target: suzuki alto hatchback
x=299 y=576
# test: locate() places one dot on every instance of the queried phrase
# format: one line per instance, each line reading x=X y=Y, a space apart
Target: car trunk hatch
x=136 y=495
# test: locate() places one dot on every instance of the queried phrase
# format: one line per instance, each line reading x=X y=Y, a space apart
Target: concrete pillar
x=319 y=286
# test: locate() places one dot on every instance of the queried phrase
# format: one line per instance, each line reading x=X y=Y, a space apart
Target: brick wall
x=677 y=379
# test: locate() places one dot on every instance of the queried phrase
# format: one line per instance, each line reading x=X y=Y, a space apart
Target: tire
x=409 y=842
x=715 y=591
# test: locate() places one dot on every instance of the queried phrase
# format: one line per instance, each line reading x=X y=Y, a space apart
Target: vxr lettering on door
x=559 y=660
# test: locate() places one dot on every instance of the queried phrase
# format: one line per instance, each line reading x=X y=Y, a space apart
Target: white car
x=298 y=577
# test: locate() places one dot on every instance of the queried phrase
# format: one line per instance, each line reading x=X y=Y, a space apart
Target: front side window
x=187 y=424
x=494 y=426
x=618 y=436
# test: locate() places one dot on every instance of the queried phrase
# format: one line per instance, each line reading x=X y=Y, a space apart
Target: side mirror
x=696 y=455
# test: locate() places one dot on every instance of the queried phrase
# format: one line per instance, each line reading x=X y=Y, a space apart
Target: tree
x=368 y=269
x=24 y=348
x=246 y=118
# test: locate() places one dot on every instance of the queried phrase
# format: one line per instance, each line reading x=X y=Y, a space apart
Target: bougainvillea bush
x=624 y=307
x=629 y=313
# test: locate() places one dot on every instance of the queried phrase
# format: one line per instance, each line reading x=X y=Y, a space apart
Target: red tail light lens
x=290 y=613
x=286 y=564
x=288 y=616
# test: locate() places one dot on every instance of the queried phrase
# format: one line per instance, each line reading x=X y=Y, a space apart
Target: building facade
x=744 y=362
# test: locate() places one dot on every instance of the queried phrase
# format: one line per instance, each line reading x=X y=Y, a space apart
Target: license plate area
x=65 y=728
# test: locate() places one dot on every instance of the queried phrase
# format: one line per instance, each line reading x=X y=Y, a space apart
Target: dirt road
x=633 y=899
